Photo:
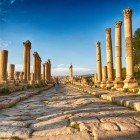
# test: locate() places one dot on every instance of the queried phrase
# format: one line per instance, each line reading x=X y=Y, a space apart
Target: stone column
x=71 y=73
x=99 y=63
x=11 y=71
x=46 y=72
x=118 y=55
x=17 y=75
x=95 y=79
x=32 y=79
x=129 y=82
x=21 y=76
x=35 y=66
x=43 y=72
x=49 y=63
x=26 y=57
x=104 y=76
x=3 y=66
x=109 y=58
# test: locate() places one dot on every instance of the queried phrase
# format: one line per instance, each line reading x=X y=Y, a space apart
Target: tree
x=136 y=48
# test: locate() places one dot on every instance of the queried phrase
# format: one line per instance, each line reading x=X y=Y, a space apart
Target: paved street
x=68 y=114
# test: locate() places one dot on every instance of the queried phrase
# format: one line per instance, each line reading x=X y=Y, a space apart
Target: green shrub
x=126 y=90
x=15 y=138
x=4 y=91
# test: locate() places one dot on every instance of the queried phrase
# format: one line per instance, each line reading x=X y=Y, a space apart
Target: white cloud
x=19 y=67
x=12 y=1
x=4 y=43
x=61 y=71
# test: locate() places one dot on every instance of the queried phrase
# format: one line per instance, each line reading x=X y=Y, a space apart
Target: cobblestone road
x=67 y=114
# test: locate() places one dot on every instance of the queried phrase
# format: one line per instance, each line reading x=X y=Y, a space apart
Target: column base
x=109 y=84
x=3 y=82
x=103 y=84
x=130 y=84
x=118 y=84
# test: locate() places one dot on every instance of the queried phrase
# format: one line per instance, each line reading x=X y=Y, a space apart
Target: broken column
x=118 y=83
x=71 y=73
x=11 y=71
x=109 y=58
x=95 y=79
x=26 y=56
x=129 y=82
x=104 y=77
x=17 y=73
x=99 y=63
x=3 y=66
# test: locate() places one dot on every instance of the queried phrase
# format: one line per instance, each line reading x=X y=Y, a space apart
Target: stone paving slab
x=130 y=100
x=68 y=114
x=10 y=100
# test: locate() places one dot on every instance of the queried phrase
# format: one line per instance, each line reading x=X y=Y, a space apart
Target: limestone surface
x=68 y=114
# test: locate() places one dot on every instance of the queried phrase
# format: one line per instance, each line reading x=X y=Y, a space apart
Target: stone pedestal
x=118 y=83
x=109 y=53
x=99 y=62
x=11 y=71
x=3 y=66
x=129 y=82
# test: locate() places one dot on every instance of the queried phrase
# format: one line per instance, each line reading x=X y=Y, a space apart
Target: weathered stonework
x=37 y=67
x=26 y=64
x=129 y=82
x=11 y=71
x=99 y=62
x=104 y=77
x=109 y=58
x=21 y=76
x=71 y=73
x=3 y=66
x=118 y=83
x=17 y=73
x=96 y=80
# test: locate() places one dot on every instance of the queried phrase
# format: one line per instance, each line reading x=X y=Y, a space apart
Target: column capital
x=127 y=12
x=118 y=24
x=108 y=30
x=27 y=43
x=98 y=43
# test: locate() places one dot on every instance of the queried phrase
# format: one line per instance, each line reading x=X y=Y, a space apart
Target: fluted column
x=99 y=63
x=118 y=55
x=109 y=57
x=11 y=71
x=130 y=82
x=26 y=57
x=3 y=66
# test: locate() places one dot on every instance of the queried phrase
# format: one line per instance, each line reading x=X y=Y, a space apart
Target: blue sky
x=66 y=31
